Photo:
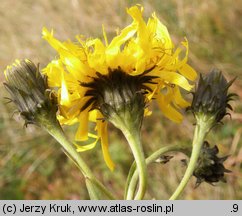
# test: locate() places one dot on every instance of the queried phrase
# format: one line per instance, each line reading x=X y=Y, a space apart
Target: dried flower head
x=210 y=167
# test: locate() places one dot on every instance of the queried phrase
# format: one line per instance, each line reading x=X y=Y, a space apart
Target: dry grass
x=33 y=167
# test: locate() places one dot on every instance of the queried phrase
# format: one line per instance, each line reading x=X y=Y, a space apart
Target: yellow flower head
x=141 y=53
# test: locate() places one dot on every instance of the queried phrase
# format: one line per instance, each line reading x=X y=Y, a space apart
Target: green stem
x=91 y=190
x=102 y=188
x=130 y=124
x=137 y=150
x=133 y=173
x=59 y=135
x=56 y=131
x=201 y=130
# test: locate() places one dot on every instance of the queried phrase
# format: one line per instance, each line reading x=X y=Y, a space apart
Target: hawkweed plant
x=94 y=80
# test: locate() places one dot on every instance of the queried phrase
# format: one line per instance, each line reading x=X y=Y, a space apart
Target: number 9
x=235 y=207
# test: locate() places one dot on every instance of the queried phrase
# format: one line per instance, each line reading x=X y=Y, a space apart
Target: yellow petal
x=74 y=65
x=147 y=112
x=167 y=109
x=82 y=132
x=69 y=55
x=93 y=115
x=54 y=73
x=151 y=95
x=187 y=71
x=81 y=148
x=161 y=34
x=65 y=100
x=142 y=33
x=103 y=133
x=105 y=36
x=126 y=34
x=175 y=78
x=66 y=121
x=56 y=44
x=96 y=57
x=182 y=65
x=179 y=100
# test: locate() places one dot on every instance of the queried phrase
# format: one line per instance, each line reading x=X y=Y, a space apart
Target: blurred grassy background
x=32 y=165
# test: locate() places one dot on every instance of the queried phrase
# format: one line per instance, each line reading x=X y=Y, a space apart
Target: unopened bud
x=29 y=91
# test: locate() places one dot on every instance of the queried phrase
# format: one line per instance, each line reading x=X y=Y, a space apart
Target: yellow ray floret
x=139 y=47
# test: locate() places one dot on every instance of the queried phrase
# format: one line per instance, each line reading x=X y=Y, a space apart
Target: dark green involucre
x=211 y=96
x=28 y=89
x=119 y=95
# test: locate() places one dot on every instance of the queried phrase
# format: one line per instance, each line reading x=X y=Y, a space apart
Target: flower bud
x=211 y=96
x=29 y=91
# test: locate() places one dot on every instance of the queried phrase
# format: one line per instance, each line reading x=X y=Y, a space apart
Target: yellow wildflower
x=141 y=50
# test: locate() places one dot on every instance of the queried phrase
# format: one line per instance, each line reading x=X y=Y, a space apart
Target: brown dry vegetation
x=32 y=165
